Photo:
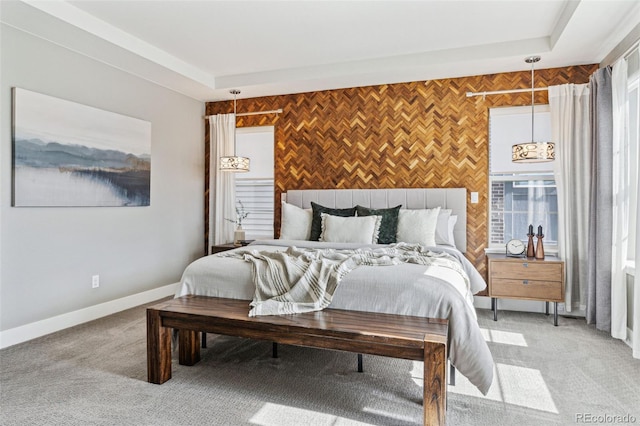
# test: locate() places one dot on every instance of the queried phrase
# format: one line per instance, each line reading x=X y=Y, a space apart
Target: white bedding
x=405 y=289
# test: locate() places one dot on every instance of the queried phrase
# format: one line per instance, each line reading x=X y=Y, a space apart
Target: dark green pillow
x=388 y=225
x=316 y=221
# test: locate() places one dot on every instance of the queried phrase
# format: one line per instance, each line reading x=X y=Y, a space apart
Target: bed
x=405 y=288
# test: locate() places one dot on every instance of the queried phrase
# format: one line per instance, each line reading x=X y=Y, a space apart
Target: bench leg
x=360 y=369
x=188 y=347
x=435 y=383
x=158 y=349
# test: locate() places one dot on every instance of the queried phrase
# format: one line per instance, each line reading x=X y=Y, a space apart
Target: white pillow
x=351 y=229
x=444 y=227
x=418 y=226
x=295 y=223
x=452 y=222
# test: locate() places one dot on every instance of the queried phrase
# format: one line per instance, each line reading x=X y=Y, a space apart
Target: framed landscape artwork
x=68 y=154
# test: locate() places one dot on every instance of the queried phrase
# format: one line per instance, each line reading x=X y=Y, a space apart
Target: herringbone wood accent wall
x=408 y=135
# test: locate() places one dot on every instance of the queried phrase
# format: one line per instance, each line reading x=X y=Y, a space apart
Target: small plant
x=241 y=214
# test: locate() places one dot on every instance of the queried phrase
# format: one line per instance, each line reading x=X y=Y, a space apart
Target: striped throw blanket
x=302 y=280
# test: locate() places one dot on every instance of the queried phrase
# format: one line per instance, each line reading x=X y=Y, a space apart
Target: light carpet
x=95 y=374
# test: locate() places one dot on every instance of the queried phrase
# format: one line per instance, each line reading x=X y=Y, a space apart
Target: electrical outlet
x=474 y=197
x=95 y=281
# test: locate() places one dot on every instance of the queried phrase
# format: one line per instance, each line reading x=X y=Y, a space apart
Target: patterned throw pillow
x=389 y=226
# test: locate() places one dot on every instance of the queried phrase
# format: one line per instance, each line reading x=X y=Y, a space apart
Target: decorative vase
x=238 y=236
x=531 y=252
x=540 y=247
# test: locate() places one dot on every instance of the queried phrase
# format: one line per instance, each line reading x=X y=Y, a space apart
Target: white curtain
x=634 y=58
x=626 y=190
x=570 y=129
x=222 y=188
x=620 y=202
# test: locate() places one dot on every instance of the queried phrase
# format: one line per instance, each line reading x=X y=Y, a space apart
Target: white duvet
x=404 y=289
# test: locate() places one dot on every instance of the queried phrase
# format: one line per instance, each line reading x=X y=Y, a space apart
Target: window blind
x=257 y=197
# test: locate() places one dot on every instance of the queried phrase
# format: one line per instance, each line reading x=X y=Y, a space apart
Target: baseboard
x=36 y=329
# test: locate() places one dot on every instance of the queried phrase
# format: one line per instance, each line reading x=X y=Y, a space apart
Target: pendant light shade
x=533 y=152
x=234 y=163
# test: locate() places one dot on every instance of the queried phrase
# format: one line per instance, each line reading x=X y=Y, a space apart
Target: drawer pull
x=525 y=282
x=525 y=264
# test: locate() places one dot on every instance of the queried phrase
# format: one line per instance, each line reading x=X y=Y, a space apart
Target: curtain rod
x=243 y=114
x=498 y=92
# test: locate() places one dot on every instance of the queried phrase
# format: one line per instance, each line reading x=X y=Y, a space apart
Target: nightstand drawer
x=526 y=289
x=539 y=271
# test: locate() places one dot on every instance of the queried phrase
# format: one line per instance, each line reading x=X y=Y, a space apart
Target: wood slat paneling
x=407 y=135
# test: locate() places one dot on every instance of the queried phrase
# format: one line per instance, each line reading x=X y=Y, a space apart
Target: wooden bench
x=396 y=336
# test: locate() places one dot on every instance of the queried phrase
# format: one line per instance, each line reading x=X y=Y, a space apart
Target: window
x=522 y=194
x=255 y=189
x=518 y=201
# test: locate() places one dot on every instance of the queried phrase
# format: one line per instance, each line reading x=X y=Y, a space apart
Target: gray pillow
x=316 y=221
x=389 y=225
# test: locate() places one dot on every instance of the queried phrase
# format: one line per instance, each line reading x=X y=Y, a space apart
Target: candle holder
x=540 y=247
x=531 y=253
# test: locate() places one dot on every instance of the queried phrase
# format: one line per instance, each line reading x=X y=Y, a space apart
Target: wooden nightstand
x=222 y=247
x=228 y=246
x=526 y=279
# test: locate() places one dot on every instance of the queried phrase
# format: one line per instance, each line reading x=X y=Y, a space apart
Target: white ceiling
x=205 y=48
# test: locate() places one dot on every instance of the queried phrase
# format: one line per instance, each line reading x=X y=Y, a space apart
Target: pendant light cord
x=235 y=95
x=234 y=92
x=532 y=60
x=532 y=104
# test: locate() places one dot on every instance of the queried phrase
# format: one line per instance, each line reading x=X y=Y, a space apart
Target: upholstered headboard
x=410 y=198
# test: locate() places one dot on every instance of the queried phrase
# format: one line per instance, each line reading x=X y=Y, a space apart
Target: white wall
x=48 y=255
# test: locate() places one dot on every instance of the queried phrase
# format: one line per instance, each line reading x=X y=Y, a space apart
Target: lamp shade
x=234 y=164
x=533 y=152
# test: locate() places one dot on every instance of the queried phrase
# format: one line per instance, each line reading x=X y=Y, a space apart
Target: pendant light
x=234 y=163
x=533 y=152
